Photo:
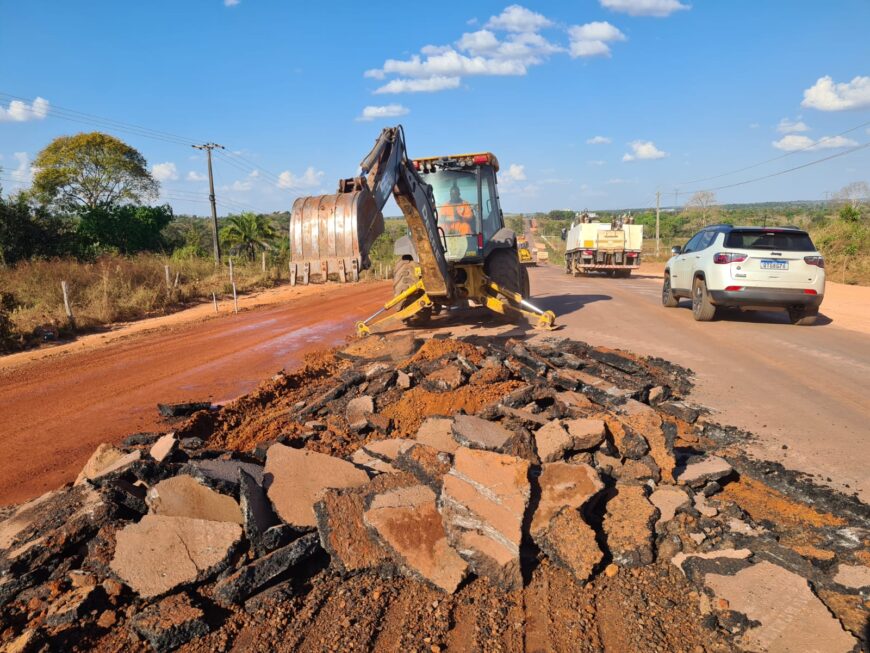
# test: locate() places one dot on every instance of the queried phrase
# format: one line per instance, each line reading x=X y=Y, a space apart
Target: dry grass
x=116 y=289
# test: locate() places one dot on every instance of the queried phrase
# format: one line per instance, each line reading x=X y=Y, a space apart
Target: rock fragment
x=104 y=461
x=563 y=485
x=163 y=447
x=343 y=533
x=447 y=378
x=476 y=433
x=552 y=441
x=789 y=615
x=159 y=553
x=628 y=525
x=570 y=542
x=74 y=605
x=362 y=458
x=699 y=472
x=253 y=577
x=585 y=433
x=853 y=576
x=184 y=496
x=407 y=521
x=297 y=477
x=668 y=500
x=358 y=410
x=387 y=450
x=645 y=421
x=257 y=512
x=483 y=504
x=170 y=623
x=426 y=463
x=437 y=432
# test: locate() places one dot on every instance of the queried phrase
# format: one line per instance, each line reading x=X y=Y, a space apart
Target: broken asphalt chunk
x=185 y=409
x=251 y=578
x=295 y=479
x=160 y=553
x=170 y=623
x=408 y=523
x=628 y=526
x=184 y=496
x=476 y=433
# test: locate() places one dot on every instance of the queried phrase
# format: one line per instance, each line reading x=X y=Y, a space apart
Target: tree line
x=92 y=194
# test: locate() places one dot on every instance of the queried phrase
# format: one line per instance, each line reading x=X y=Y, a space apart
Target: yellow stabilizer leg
x=515 y=304
x=364 y=328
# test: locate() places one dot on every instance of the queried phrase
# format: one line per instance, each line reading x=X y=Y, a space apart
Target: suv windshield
x=783 y=241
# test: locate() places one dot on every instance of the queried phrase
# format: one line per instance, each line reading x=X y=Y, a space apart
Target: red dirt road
x=55 y=411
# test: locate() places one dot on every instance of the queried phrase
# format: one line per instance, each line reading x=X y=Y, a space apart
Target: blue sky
x=676 y=90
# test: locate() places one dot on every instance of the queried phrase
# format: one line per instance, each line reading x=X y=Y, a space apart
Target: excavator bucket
x=331 y=235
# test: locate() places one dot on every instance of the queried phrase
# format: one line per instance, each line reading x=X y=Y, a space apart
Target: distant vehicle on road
x=524 y=252
x=611 y=247
x=750 y=268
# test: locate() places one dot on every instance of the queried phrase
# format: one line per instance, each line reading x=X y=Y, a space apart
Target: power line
x=776 y=158
x=781 y=172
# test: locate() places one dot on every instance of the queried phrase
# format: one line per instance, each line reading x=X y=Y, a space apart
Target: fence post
x=214 y=300
x=232 y=279
x=235 y=300
x=69 y=313
x=264 y=263
x=168 y=281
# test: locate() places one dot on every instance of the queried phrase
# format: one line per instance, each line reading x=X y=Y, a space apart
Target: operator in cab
x=457 y=215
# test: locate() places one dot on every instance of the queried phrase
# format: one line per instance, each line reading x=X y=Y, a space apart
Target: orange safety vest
x=457 y=218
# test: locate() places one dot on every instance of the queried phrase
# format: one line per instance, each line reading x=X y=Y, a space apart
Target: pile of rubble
x=445 y=464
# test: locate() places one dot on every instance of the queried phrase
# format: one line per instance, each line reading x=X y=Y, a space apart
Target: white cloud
x=591 y=39
x=515 y=172
x=241 y=186
x=787 y=126
x=658 y=8
x=478 y=42
x=795 y=142
x=428 y=85
x=826 y=95
x=519 y=19
x=309 y=179
x=19 y=111
x=195 y=176
x=231 y=3
x=386 y=111
x=23 y=172
x=598 y=140
x=643 y=150
x=448 y=64
x=164 y=171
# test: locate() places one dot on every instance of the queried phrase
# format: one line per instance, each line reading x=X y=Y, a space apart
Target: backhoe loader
x=457 y=249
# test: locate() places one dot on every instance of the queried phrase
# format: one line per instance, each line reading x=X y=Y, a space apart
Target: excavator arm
x=333 y=233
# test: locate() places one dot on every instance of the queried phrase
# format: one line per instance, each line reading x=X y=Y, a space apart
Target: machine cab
x=466 y=197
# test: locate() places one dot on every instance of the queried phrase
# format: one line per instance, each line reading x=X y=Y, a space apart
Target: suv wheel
x=803 y=316
x=702 y=309
x=668 y=298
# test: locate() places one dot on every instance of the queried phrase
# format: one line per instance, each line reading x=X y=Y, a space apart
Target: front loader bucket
x=331 y=235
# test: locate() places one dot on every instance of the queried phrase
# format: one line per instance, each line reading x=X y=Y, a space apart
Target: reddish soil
x=55 y=411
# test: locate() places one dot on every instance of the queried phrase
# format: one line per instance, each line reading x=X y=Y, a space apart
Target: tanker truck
x=611 y=247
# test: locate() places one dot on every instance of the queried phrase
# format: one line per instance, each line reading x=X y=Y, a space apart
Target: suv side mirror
x=676 y=250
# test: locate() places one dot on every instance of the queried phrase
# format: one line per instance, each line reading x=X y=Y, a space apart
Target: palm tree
x=248 y=232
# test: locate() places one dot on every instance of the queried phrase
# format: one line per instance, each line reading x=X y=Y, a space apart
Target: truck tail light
x=631 y=254
x=818 y=261
x=810 y=291
x=733 y=288
x=587 y=252
x=479 y=241
x=726 y=257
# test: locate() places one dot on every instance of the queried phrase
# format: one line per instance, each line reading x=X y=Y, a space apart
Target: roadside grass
x=116 y=289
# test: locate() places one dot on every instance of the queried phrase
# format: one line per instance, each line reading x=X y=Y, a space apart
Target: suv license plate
x=768 y=264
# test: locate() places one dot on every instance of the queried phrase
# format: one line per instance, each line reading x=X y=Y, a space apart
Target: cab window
x=488 y=203
x=692 y=245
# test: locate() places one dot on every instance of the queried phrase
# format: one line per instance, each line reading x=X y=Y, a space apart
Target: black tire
x=503 y=267
x=404 y=278
x=669 y=300
x=527 y=288
x=702 y=309
x=801 y=316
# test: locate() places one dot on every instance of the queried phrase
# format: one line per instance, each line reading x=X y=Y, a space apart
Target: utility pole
x=208 y=147
x=658 y=205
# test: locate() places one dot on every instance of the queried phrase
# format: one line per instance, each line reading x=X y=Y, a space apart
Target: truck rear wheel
x=527 y=290
x=403 y=278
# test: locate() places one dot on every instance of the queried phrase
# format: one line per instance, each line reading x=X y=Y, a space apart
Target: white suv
x=749 y=268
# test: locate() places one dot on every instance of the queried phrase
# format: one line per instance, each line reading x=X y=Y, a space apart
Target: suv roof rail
x=721 y=224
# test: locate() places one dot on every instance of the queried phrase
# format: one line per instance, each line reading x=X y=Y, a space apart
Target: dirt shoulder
x=199 y=313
